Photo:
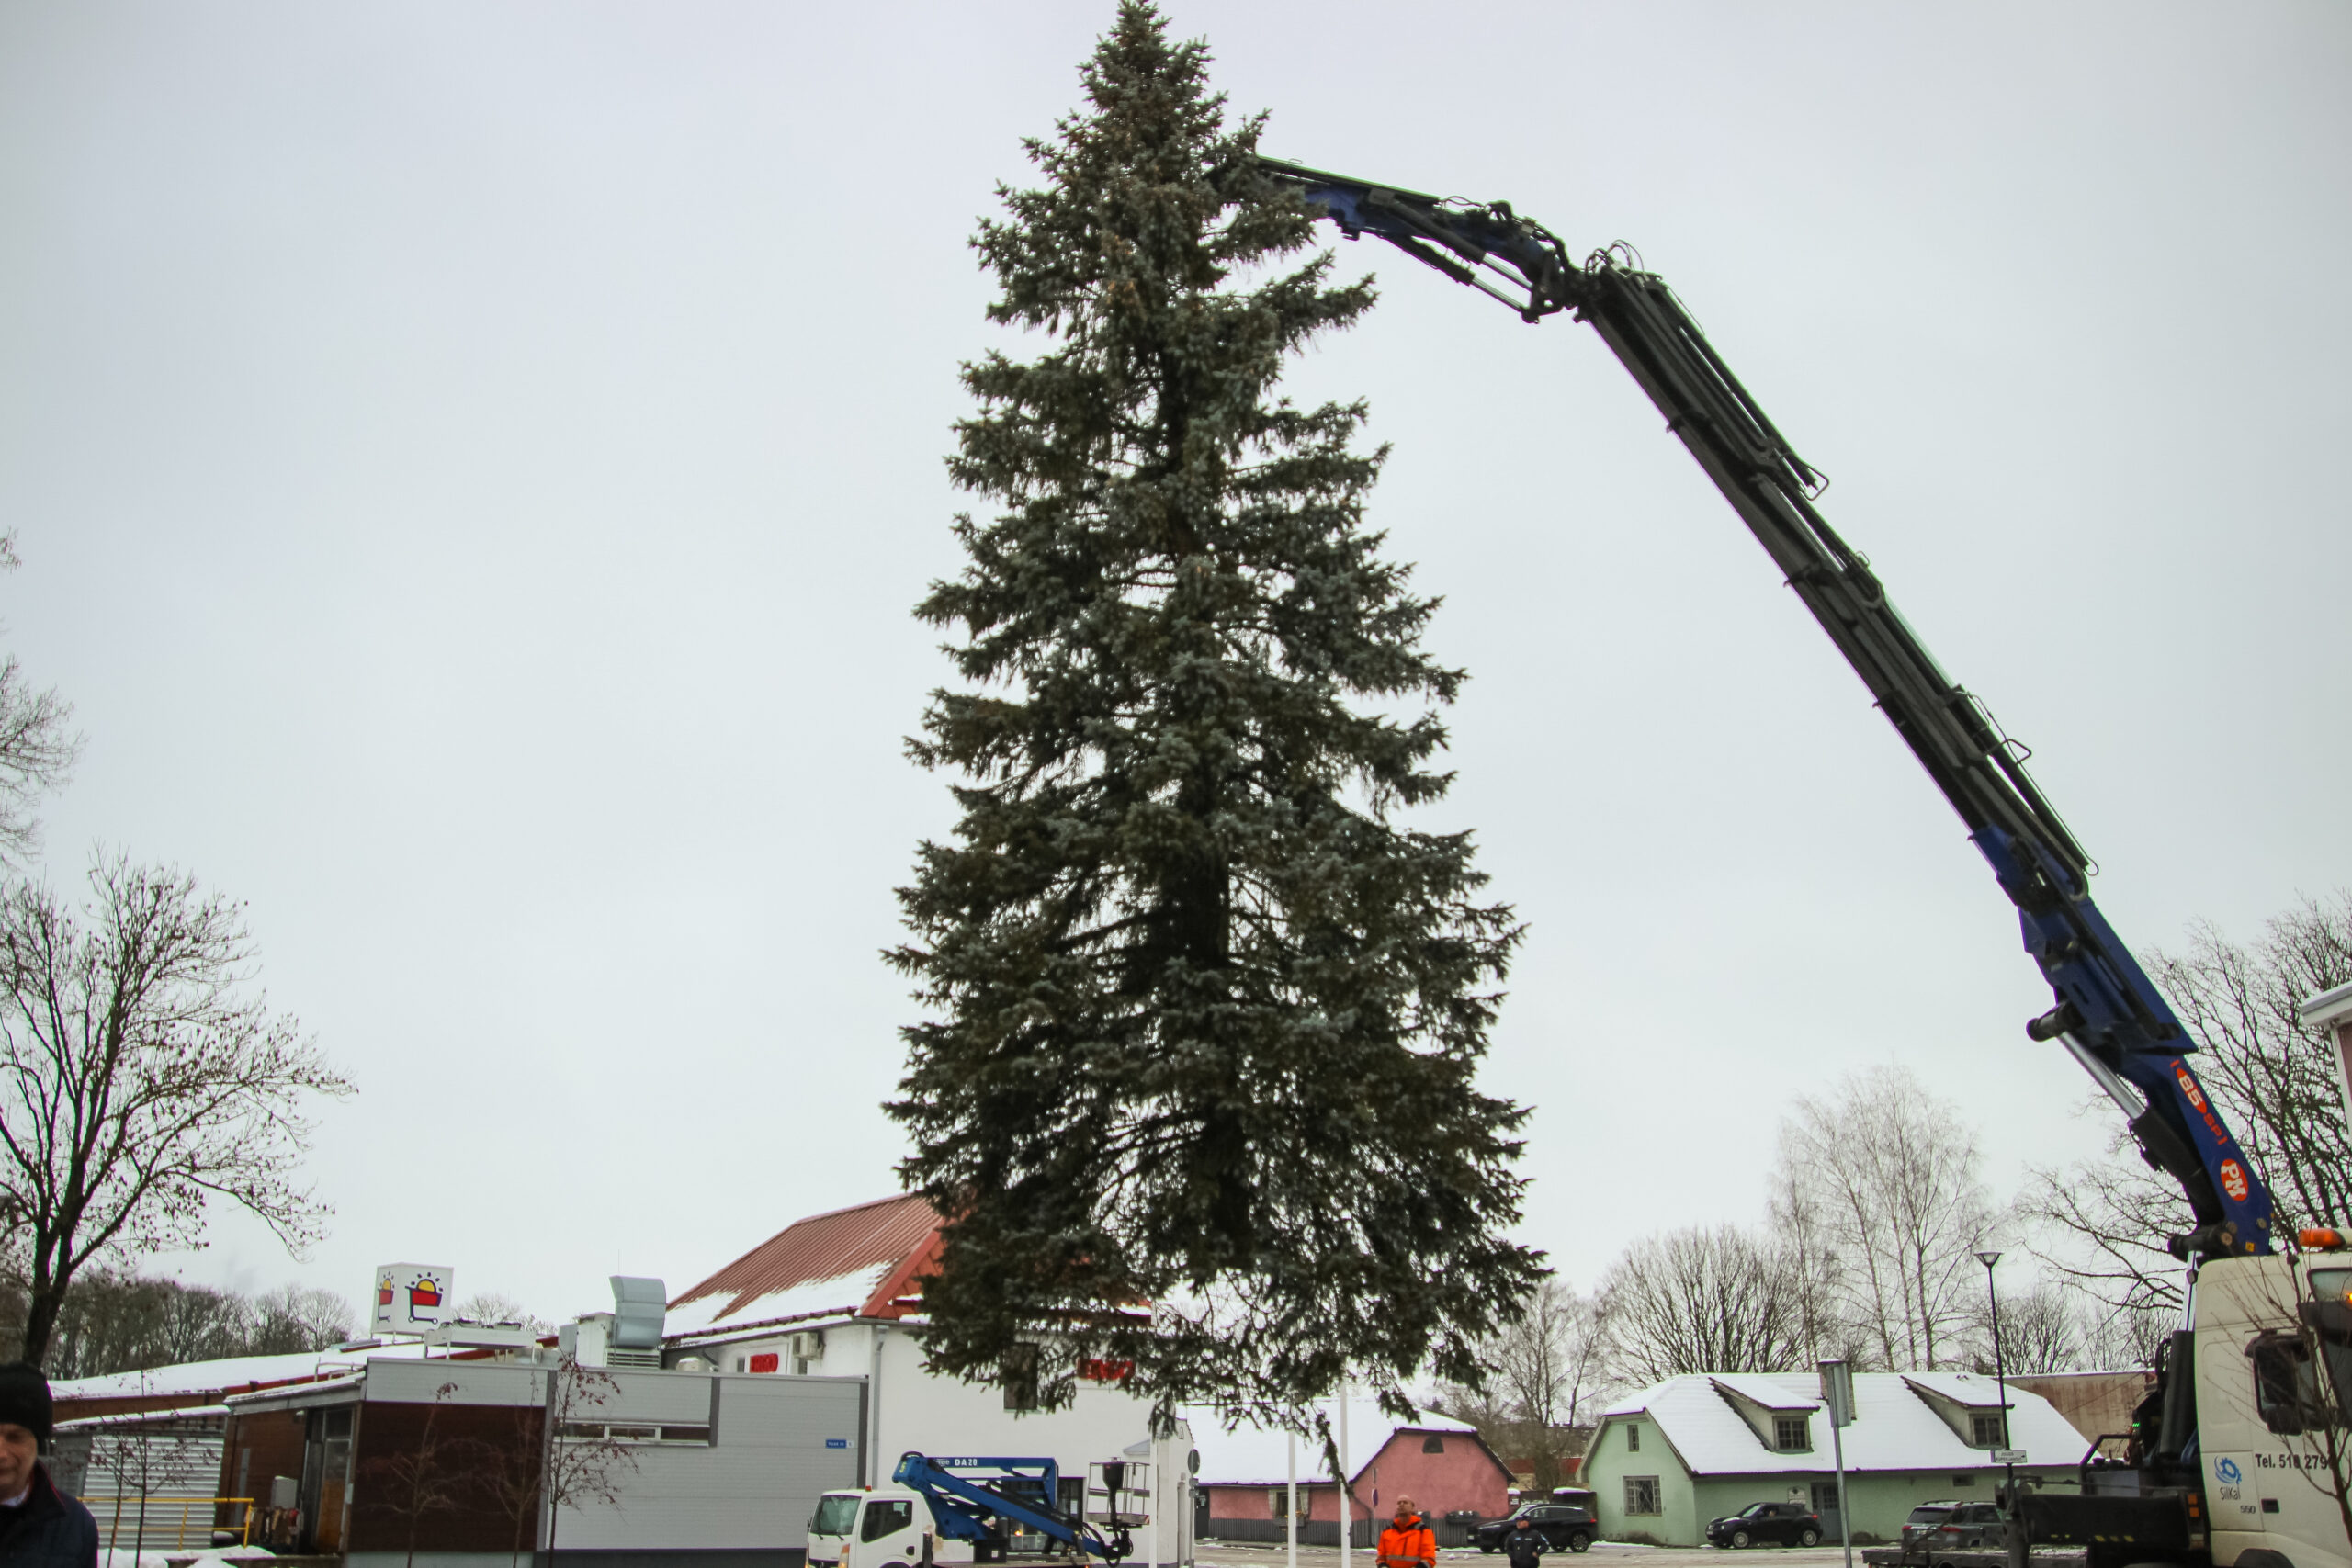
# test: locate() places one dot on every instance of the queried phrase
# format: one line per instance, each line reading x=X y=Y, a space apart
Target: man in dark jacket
x=40 y=1526
x=1525 y=1544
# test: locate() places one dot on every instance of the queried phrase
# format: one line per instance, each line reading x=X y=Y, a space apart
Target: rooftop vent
x=637 y=1309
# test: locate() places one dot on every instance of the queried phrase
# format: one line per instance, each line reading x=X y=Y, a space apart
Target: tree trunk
x=42 y=1304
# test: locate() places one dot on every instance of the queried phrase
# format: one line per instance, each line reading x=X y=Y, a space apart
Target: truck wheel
x=1808 y=1536
x=1578 y=1541
x=1487 y=1549
x=1739 y=1538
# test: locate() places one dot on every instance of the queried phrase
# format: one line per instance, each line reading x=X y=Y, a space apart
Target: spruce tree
x=1196 y=1091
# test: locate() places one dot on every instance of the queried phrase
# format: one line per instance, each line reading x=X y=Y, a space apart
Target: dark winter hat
x=24 y=1399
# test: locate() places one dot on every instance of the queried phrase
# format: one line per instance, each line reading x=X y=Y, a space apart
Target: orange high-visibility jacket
x=1412 y=1545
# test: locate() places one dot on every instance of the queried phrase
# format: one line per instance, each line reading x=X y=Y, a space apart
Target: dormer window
x=1788 y=1433
x=1985 y=1426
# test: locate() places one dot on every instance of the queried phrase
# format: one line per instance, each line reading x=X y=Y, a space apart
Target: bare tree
x=1890 y=1178
x=507 y=1473
x=584 y=1463
x=293 y=1318
x=140 y=1079
x=495 y=1306
x=1702 y=1301
x=35 y=748
x=431 y=1478
x=2105 y=1222
x=2041 y=1331
x=1543 y=1375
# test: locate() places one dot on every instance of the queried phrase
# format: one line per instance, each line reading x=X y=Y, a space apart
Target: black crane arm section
x=2108 y=1014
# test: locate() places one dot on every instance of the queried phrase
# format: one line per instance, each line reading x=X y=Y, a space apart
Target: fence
x=171 y=1523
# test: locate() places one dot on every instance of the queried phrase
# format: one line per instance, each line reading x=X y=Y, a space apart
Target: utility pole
x=1347 y=1496
x=2009 y=1456
x=1290 y=1510
x=1838 y=1392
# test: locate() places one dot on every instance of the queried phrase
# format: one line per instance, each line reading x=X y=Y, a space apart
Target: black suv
x=1560 y=1525
x=1953 y=1526
x=1782 y=1523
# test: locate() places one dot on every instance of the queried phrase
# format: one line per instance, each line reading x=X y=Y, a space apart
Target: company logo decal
x=2227 y=1468
x=2232 y=1183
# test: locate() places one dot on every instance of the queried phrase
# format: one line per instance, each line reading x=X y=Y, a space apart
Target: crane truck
x=2239 y=1457
x=980 y=1509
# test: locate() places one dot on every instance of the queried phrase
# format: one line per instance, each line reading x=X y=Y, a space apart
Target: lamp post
x=2001 y=1380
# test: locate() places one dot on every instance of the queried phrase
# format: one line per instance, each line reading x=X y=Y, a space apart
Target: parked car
x=1953 y=1526
x=1763 y=1524
x=1562 y=1526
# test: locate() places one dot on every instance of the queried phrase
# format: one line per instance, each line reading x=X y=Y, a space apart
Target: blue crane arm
x=965 y=1507
x=2108 y=1014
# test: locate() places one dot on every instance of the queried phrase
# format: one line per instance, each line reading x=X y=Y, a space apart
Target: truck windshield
x=837 y=1511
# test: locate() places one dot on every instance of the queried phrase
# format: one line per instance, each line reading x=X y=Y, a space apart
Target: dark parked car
x=1562 y=1526
x=1953 y=1526
x=1767 y=1524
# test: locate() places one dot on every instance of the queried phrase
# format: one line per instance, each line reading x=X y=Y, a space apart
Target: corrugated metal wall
x=176 y=1473
x=752 y=1487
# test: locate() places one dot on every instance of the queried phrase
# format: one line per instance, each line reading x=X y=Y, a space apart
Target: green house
x=1665 y=1461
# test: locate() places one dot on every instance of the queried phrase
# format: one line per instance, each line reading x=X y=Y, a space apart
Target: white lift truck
x=980 y=1510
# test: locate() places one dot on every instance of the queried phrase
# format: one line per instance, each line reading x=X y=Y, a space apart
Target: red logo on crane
x=2234 y=1180
x=2188 y=1086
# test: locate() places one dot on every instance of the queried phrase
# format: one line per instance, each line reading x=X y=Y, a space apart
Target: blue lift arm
x=2108 y=1014
x=967 y=1508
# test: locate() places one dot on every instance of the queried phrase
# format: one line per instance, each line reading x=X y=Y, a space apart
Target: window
x=630 y=1432
x=1986 y=1424
x=1432 y=1444
x=886 y=1516
x=2286 y=1393
x=1788 y=1433
x=1021 y=1369
x=1963 y=1481
x=1641 y=1494
x=1633 y=1438
x=836 y=1513
x=1825 y=1497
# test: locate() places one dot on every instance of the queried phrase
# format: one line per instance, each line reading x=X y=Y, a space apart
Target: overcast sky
x=472 y=464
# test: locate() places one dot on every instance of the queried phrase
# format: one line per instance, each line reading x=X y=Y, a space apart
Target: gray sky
x=474 y=462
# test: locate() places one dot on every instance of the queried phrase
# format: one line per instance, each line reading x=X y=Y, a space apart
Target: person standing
x=1407 y=1542
x=1525 y=1544
x=40 y=1526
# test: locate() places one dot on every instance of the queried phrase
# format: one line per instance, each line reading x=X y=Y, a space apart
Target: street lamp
x=2000 y=1376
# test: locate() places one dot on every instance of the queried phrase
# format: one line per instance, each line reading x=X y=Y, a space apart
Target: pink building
x=1442 y=1464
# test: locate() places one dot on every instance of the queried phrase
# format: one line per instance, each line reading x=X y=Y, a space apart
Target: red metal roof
x=897 y=1234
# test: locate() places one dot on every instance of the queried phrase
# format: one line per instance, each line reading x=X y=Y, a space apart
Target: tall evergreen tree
x=1205 y=1016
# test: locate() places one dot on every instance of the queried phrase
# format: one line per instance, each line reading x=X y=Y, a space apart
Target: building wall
x=260 y=1445
x=2097 y=1404
x=1880 y=1499
x=1463 y=1477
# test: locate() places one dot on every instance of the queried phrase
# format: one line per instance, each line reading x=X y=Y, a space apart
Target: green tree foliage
x=1204 y=1015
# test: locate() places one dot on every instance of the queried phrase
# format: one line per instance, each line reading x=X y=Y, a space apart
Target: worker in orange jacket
x=1407 y=1542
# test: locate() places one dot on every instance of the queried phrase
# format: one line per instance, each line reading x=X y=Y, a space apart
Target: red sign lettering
x=2232 y=1182
x=765 y=1361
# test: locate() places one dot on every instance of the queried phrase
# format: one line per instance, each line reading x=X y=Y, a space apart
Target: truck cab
x=2274 y=1468
x=882 y=1527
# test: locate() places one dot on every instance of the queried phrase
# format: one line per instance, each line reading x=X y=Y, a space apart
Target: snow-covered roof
x=144 y=1418
x=225 y=1376
x=858 y=1261
x=1894 y=1426
x=1248 y=1456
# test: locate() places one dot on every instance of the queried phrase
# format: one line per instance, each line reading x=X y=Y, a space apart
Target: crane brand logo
x=2188 y=1086
x=2233 y=1180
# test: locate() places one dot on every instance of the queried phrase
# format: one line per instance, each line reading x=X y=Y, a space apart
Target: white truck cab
x=879 y=1526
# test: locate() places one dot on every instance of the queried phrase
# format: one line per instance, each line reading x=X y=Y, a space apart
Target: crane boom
x=2108 y=1014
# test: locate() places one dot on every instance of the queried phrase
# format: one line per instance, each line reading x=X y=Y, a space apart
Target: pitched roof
x=1895 y=1426
x=1248 y=1456
x=858 y=1262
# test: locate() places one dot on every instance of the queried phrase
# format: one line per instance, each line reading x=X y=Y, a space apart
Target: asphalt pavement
x=1253 y=1554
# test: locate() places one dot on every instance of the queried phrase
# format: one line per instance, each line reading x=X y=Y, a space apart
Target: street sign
x=2009 y=1456
x=1837 y=1392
